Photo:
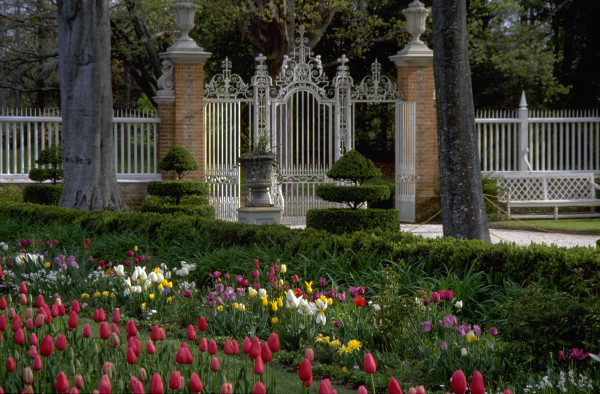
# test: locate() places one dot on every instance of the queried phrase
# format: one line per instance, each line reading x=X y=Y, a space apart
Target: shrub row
x=340 y=221
x=206 y=211
x=353 y=194
x=563 y=267
x=42 y=194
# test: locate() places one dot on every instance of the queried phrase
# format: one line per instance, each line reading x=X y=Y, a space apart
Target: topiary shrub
x=51 y=158
x=178 y=159
x=353 y=168
x=42 y=194
x=177 y=189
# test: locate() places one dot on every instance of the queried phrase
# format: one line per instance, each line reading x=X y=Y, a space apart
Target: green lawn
x=576 y=226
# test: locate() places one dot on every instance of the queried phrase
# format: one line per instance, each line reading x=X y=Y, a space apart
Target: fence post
x=523 y=163
x=180 y=97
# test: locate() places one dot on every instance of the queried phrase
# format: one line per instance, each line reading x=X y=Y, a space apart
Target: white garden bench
x=549 y=189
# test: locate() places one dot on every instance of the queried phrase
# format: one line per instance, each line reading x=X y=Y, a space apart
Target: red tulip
x=156 y=384
x=78 y=381
x=108 y=368
x=11 y=313
x=54 y=311
x=363 y=390
x=195 y=383
x=132 y=329
x=29 y=324
x=273 y=342
x=27 y=376
x=227 y=388
x=39 y=320
x=394 y=387
x=23 y=288
x=163 y=334
x=39 y=301
x=1 y=273
x=259 y=388
x=215 y=366
x=104 y=330
x=46 y=347
x=477 y=386
x=75 y=306
x=236 y=347
x=155 y=334
x=37 y=364
x=87 y=331
x=105 y=385
x=254 y=348
x=72 y=323
x=259 y=367
x=370 y=366
x=3 y=305
x=11 y=364
x=507 y=391
x=62 y=384
x=175 y=380
x=116 y=316
x=2 y=322
x=33 y=339
x=131 y=357
x=325 y=387
x=212 y=347
x=115 y=329
x=203 y=346
x=136 y=386
x=305 y=370
x=228 y=347
x=99 y=315
x=265 y=352
x=19 y=337
x=27 y=390
x=32 y=353
x=17 y=323
x=246 y=345
x=61 y=342
x=308 y=383
x=135 y=344
x=309 y=353
x=202 y=326
x=61 y=309
x=191 y=333
x=150 y=348
x=459 y=382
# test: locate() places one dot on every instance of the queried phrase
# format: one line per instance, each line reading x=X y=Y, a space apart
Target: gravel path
x=518 y=237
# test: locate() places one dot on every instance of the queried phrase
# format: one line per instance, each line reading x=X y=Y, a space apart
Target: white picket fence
x=26 y=132
x=539 y=140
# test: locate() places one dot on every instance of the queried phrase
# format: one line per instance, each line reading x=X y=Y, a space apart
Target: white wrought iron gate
x=310 y=123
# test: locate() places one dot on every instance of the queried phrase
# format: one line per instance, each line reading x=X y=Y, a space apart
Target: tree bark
x=90 y=180
x=463 y=210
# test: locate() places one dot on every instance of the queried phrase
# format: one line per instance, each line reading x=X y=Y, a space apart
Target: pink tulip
x=309 y=354
x=259 y=388
x=394 y=387
x=325 y=387
x=150 y=348
x=362 y=390
x=227 y=388
x=273 y=342
x=215 y=366
x=370 y=366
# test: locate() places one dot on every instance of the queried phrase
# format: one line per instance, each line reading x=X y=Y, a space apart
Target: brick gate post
x=180 y=97
x=415 y=82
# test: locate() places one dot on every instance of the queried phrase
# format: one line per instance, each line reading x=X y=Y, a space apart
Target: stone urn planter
x=259 y=177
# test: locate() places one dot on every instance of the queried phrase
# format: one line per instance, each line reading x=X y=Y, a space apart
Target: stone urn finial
x=184 y=22
x=416 y=14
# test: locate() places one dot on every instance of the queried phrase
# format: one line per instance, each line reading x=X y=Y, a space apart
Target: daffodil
x=322 y=339
x=335 y=343
x=308 y=287
x=354 y=344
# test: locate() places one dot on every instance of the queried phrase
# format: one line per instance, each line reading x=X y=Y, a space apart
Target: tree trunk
x=90 y=180
x=463 y=210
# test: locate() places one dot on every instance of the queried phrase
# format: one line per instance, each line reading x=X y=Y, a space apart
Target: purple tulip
x=426 y=326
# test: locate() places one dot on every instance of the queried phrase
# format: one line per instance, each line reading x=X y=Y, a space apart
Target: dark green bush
x=387 y=203
x=340 y=221
x=354 y=196
x=353 y=167
x=178 y=159
x=42 y=194
x=178 y=189
x=206 y=211
x=538 y=319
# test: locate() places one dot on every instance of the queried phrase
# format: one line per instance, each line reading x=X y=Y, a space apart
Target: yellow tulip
x=220 y=308
x=169 y=299
x=265 y=301
x=274 y=320
x=329 y=301
x=308 y=287
x=280 y=302
x=274 y=305
x=143 y=306
x=47 y=264
x=159 y=287
x=252 y=293
x=471 y=337
x=283 y=268
x=151 y=296
x=135 y=248
x=235 y=305
x=241 y=307
x=170 y=284
x=85 y=295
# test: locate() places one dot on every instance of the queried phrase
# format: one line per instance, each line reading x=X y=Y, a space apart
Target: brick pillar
x=180 y=97
x=416 y=83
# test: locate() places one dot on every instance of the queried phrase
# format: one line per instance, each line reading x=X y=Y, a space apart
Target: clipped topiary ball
x=353 y=167
x=178 y=159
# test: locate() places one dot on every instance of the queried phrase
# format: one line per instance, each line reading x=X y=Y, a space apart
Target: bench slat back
x=545 y=186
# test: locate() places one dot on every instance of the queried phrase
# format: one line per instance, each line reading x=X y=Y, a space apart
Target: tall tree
x=90 y=180
x=463 y=210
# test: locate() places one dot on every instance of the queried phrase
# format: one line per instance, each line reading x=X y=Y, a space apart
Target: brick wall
x=417 y=84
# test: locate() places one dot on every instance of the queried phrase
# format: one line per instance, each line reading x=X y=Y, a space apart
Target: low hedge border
x=564 y=267
x=353 y=194
x=205 y=211
x=42 y=194
x=343 y=220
